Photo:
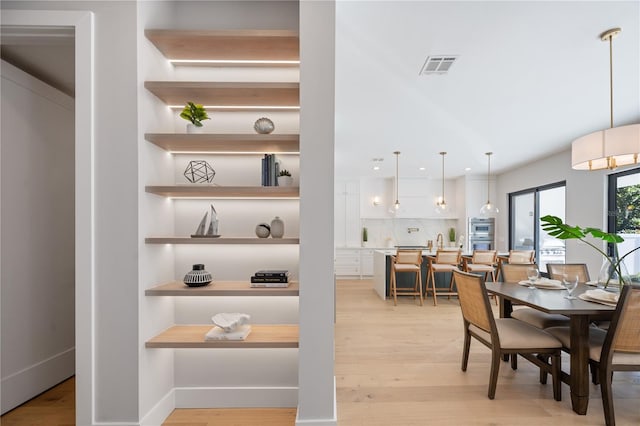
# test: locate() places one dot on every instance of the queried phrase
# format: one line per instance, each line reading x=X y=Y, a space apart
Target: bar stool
x=444 y=261
x=406 y=261
x=483 y=261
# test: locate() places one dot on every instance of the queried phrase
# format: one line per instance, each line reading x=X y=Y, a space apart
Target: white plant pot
x=192 y=128
x=285 y=181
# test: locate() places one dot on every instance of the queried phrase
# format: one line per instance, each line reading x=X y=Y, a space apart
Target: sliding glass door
x=525 y=233
x=624 y=213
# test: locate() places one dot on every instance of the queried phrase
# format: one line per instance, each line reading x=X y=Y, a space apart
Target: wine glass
x=570 y=282
x=534 y=275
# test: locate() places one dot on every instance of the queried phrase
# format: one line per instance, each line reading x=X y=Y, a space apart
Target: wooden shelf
x=227 y=143
x=249 y=96
x=189 y=240
x=207 y=191
x=265 y=45
x=222 y=288
x=192 y=336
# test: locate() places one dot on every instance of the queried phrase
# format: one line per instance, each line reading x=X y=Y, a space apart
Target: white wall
x=114 y=295
x=585 y=201
x=37 y=266
x=316 y=395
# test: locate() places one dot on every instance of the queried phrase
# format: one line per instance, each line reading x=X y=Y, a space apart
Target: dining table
x=580 y=312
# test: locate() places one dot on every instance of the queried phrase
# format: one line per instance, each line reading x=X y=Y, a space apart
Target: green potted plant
x=452 y=237
x=365 y=236
x=284 y=178
x=194 y=114
x=613 y=268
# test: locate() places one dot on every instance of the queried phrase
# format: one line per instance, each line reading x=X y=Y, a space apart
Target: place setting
x=535 y=281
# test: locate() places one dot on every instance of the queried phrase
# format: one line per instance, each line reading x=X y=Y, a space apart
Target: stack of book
x=270 y=170
x=270 y=278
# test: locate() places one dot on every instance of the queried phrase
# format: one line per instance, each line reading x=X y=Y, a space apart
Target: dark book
x=272 y=273
x=269 y=279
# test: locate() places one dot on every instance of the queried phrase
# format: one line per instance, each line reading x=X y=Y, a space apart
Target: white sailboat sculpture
x=212 y=231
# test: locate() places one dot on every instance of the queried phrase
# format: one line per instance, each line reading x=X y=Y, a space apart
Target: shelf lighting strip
x=232 y=62
x=232 y=152
x=242 y=107
x=209 y=197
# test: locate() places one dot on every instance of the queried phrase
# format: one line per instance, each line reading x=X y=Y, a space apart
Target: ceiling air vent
x=437 y=64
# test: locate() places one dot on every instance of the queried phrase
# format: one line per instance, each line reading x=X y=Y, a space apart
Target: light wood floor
x=397 y=366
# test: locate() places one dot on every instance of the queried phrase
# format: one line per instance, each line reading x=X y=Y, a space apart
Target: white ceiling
x=47 y=53
x=530 y=77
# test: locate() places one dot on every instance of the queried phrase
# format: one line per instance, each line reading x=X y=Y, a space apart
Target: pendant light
x=608 y=148
x=396 y=205
x=441 y=203
x=488 y=208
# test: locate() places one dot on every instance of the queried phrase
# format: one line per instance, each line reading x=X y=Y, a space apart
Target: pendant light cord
x=488 y=154
x=397 y=154
x=611 y=77
x=443 y=202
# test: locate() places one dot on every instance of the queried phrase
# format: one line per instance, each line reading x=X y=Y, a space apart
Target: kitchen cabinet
x=354 y=262
x=347 y=232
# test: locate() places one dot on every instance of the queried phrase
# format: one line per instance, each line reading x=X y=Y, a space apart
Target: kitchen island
x=382 y=269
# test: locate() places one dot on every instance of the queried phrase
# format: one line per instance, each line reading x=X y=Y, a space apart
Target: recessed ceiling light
x=422 y=168
x=467 y=169
x=376 y=167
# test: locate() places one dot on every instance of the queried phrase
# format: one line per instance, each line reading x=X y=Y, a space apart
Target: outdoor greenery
x=628 y=209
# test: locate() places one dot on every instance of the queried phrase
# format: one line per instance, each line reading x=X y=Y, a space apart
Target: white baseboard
x=160 y=411
x=322 y=422
x=236 y=397
x=23 y=385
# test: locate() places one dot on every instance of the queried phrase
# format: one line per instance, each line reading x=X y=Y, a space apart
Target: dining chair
x=514 y=273
x=616 y=349
x=444 y=261
x=516 y=257
x=502 y=335
x=406 y=261
x=557 y=270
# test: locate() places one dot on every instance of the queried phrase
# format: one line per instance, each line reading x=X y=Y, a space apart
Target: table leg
x=579 y=381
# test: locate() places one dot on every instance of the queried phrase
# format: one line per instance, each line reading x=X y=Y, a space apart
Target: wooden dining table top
x=549 y=301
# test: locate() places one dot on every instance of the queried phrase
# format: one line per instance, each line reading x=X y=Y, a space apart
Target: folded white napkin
x=230 y=321
x=216 y=333
x=603 y=295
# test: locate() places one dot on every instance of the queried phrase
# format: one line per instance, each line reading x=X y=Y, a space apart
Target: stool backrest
x=484 y=257
x=521 y=256
x=408 y=257
x=448 y=257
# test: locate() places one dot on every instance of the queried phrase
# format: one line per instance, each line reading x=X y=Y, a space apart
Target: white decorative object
x=285 y=181
x=213 y=225
x=216 y=333
x=192 y=128
x=264 y=126
x=202 y=225
x=263 y=230
x=277 y=227
x=230 y=321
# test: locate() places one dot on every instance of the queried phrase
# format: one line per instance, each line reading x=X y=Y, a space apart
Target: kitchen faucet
x=439 y=241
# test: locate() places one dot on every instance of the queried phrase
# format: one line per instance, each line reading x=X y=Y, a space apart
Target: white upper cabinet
x=417 y=198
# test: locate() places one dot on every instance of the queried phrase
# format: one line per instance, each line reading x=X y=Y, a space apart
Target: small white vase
x=285 y=181
x=277 y=227
x=192 y=128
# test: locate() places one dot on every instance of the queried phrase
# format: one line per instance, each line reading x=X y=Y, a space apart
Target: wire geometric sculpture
x=199 y=171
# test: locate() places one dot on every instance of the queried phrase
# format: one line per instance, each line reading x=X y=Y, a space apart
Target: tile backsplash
x=392 y=232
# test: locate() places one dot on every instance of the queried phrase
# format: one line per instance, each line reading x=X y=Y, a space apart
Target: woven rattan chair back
x=512 y=273
x=448 y=257
x=556 y=270
x=521 y=256
x=474 y=301
x=484 y=257
x=409 y=257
